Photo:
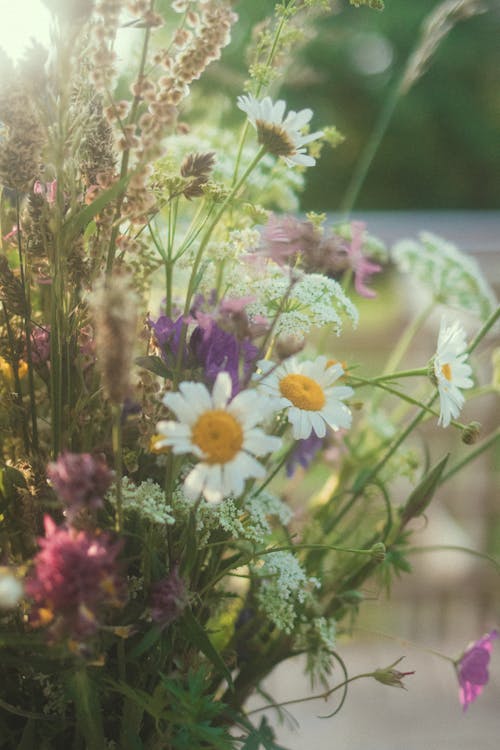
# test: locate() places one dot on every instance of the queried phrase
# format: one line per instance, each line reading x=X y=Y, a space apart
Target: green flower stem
x=364 y=163
x=391 y=376
x=472 y=454
x=330 y=547
x=203 y=244
x=404 y=397
x=385 y=458
x=270 y=58
x=208 y=232
x=88 y=710
x=455 y=548
x=27 y=328
x=403 y=345
x=484 y=330
x=319 y=696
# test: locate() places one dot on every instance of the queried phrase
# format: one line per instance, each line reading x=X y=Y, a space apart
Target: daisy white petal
x=223 y=436
x=280 y=135
x=451 y=370
x=306 y=391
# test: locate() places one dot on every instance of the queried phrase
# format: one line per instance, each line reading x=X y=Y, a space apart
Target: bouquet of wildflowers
x=195 y=484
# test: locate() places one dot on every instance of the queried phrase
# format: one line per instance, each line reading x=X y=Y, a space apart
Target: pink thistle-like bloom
x=472 y=668
x=285 y=237
x=75 y=575
x=81 y=480
x=362 y=267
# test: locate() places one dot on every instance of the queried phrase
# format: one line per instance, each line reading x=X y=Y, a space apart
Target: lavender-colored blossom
x=472 y=668
x=167 y=333
x=168 y=598
x=362 y=267
x=80 y=480
x=75 y=576
x=304 y=453
x=219 y=351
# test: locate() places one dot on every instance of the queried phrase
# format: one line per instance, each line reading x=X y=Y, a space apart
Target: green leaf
x=262 y=737
x=197 y=634
x=88 y=709
x=76 y=223
x=154 y=364
x=147 y=642
x=423 y=493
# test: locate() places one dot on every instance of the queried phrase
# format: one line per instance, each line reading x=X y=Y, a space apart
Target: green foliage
x=192 y=713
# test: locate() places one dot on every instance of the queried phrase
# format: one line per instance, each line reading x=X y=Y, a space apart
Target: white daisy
x=221 y=433
x=307 y=391
x=282 y=136
x=451 y=370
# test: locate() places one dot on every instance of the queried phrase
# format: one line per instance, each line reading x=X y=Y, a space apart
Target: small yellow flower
x=7 y=371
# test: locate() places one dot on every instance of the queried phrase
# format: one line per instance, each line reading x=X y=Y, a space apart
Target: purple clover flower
x=75 y=575
x=472 y=668
x=168 y=598
x=80 y=480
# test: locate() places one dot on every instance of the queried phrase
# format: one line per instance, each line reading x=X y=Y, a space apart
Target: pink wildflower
x=362 y=267
x=285 y=237
x=81 y=480
x=75 y=575
x=472 y=668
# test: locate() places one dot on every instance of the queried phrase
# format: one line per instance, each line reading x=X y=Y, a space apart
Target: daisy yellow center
x=446 y=370
x=275 y=138
x=219 y=435
x=303 y=392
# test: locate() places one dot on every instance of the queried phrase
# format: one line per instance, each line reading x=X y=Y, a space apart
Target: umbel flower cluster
x=198 y=478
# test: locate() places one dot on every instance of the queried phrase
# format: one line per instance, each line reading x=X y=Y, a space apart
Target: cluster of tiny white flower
x=452 y=277
x=313 y=301
x=147 y=500
x=283 y=588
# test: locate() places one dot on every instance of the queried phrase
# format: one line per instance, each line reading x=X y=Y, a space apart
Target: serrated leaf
x=197 y=634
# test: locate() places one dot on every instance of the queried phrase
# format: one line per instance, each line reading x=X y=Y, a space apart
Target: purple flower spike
x=472 y=669
x=219 y=351
x=167 y=333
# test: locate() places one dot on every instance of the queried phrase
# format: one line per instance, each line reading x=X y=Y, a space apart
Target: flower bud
x=378 y=552
x=470 y=434
x=390 y=676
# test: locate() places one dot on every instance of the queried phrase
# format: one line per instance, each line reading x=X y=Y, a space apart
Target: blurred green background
x=442 y=148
